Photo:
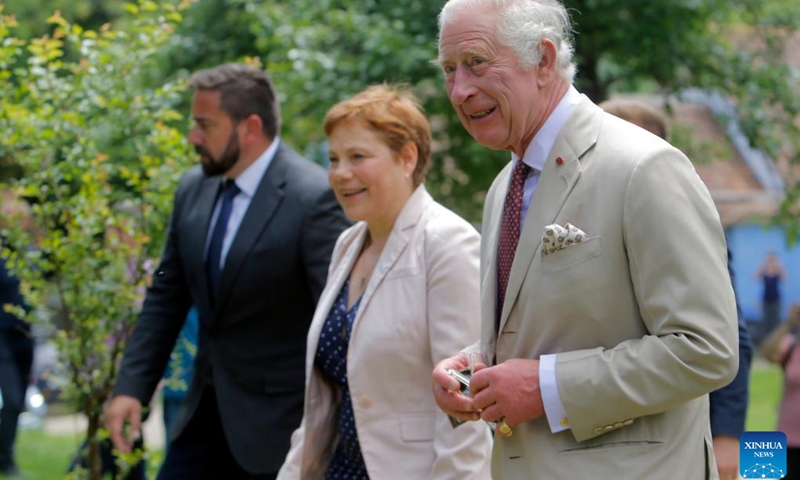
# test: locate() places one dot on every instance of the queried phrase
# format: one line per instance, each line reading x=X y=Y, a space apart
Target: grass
x=766 y=385
x=46 y=457
x=42 y=456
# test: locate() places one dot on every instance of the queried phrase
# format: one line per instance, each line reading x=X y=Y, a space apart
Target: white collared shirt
x=538 y=150
x=248 y=182
x=535 y=156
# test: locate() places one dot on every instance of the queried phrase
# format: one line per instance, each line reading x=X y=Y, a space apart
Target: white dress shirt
x=535 y=155
x=248 y=182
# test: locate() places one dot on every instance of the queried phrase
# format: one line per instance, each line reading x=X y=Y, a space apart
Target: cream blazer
x=420 y=306
x=641 y=315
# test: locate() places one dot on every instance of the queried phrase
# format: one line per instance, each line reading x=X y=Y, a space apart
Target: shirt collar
x=539 y=149
x=249 y=180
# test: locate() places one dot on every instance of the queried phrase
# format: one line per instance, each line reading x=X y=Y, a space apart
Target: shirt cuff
x=553 y=408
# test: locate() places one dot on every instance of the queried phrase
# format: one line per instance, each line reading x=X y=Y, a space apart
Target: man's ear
x=252 y=127
x=548 y=65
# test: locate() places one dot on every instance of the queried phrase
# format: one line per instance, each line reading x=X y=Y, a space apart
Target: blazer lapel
x=262 y=207
x=204 y=206
x=333 y=286
x=398 y=240
x=555 y=184
x=490 y=235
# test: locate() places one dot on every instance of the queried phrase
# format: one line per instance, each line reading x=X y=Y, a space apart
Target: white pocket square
x=556 y=237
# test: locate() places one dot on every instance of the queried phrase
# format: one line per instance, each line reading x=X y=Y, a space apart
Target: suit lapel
x=262 y=207
x=397 y=243
x=490 y=234
x=205 y=209
x=555 y=184
x=333 y=286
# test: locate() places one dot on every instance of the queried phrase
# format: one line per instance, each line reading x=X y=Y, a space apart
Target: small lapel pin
x=559 y=160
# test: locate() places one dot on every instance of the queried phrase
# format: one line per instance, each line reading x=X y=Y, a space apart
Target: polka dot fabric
x=331 y=359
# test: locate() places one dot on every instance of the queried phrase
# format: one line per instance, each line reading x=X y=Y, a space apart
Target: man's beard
x=229 y=157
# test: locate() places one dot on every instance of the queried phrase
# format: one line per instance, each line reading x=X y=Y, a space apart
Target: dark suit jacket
x=252 y=339
x=728 y=405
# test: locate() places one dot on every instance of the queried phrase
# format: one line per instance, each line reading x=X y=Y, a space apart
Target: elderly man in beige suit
x=608 y=313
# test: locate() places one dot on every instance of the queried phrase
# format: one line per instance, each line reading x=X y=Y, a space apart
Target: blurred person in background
x=781 y=347
x=772 y=274
x=16 y=358
x=16 y=342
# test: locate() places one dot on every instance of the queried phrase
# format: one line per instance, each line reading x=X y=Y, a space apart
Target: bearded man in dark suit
x=249 y=243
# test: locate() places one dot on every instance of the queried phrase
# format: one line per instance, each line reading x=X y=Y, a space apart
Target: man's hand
x=726 y=451
x=121 y=409
x=446 y=389
x=509 y=391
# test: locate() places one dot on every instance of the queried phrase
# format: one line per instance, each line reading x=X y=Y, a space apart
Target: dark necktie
x=229 y=191
x=509 y=233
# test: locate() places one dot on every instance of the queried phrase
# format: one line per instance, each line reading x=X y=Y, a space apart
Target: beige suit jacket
x=642 y=315
x=421 y=305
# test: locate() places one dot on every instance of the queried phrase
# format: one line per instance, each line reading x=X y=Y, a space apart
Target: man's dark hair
x=244 y=91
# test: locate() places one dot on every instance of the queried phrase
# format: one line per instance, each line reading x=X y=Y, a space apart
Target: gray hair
x=522 y=25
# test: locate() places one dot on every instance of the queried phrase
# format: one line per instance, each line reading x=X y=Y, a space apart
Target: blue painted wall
x=749 y=245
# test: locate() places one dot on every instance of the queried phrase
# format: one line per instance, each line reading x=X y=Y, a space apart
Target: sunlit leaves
x=100 y=153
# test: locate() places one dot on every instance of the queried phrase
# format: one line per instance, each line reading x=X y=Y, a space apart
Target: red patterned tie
x=509 y=233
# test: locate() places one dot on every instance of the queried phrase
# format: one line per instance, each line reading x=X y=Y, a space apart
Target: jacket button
x=618 y=425
x=608 y=428
x=598 y=430
x=628 y=422
x=365 y=402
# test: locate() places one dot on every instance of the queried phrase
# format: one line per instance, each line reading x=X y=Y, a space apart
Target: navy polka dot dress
x=331 y=360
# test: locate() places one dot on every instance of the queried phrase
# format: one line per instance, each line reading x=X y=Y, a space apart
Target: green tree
x=738 y=48
x=32 y=14
x=100 y=156
x=319 y=52
x=626 y=45
x=752 y=67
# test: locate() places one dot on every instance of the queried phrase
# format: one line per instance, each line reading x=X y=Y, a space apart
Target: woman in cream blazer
x=402 y=293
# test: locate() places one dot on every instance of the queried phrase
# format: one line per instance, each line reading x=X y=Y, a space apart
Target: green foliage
x=620 y=43
x=178 y=370
x=736 y=47
x=90 y=14
x=319 y=52
x=751 y=66
x=100 y=155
